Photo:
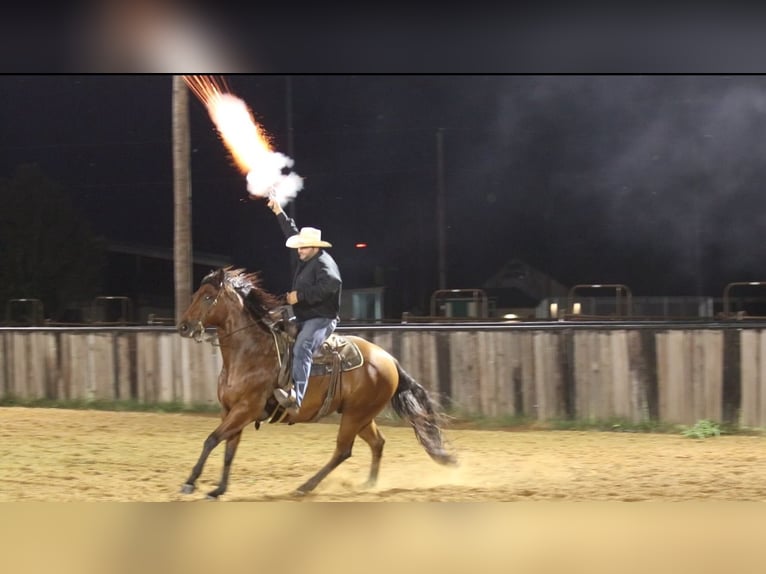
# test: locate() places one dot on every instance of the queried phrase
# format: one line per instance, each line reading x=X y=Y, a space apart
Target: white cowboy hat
x=308 y=237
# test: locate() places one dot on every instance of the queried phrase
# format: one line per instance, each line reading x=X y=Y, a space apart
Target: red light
x=360 y=245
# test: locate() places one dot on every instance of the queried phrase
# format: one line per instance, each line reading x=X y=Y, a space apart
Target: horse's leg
x=373 y=437
x=210 y=443
x=343 y=445
x=231 y=449
x=233 y=423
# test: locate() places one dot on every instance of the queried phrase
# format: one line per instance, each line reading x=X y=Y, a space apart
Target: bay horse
x=233 y=301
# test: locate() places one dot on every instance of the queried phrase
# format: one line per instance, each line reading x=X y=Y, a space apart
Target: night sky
x=656 y=182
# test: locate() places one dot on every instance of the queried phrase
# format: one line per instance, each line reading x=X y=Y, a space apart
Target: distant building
x=518 y=288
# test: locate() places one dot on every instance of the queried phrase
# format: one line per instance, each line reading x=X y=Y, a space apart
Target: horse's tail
x=412 y=403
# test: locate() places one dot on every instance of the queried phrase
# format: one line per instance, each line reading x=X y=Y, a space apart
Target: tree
x=47 y=250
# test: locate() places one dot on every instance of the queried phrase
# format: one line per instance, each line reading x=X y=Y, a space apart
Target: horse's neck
x=243 y=333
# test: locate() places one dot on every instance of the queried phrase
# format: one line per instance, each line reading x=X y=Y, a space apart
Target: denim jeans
x=312 y=333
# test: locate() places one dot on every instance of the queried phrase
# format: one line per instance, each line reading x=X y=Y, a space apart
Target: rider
x=315 y=298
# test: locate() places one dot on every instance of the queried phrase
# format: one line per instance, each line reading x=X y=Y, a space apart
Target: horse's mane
x=247 y=284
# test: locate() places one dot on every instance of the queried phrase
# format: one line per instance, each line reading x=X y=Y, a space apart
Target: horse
x=234 y=302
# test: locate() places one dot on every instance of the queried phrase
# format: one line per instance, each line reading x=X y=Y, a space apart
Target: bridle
x=199 y=327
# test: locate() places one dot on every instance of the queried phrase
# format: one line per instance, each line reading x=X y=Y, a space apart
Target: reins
x=212 y=341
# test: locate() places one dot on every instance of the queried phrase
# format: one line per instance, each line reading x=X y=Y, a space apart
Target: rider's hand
x=274 y=206
x=292 y=297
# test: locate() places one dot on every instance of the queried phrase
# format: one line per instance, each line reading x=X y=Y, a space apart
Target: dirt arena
x=75 y=455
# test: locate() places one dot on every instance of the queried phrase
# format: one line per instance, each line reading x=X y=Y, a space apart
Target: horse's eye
x=208 y=297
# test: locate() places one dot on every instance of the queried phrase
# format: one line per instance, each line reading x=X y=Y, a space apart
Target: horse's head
x=205 y=309
x=220 y=291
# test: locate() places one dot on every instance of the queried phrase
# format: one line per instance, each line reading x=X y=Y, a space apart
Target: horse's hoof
x=187 y=488
x=211 y=496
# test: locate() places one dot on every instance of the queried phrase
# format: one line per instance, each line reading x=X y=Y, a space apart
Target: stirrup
x=287 y=400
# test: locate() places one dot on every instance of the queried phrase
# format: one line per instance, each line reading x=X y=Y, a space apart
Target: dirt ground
x=77 y=455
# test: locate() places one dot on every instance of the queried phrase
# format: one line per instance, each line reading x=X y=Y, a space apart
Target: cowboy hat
x=308 y=237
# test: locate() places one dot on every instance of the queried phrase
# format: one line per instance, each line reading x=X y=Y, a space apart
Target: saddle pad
x=350 y=356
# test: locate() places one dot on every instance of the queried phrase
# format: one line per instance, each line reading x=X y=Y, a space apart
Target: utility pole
x=182 y=241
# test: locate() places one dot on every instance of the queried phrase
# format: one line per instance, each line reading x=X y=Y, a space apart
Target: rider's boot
x=288 y=399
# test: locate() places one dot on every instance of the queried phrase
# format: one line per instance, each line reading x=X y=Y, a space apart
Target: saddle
x=336 y=355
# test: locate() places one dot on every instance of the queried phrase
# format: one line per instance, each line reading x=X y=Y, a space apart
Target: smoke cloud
x=270 y=180
x=663 y=169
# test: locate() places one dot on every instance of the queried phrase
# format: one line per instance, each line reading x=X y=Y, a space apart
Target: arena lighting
x=360 y=245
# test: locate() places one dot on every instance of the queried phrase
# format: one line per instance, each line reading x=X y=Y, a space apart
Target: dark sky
x=652 y=181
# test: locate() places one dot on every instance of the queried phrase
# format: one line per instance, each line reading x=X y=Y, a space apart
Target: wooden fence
x=635 y=372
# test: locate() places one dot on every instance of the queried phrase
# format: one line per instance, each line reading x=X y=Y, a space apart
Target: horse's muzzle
x=185 y=329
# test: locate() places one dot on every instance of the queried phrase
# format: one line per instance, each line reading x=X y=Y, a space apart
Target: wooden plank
x=528 y=364
x=36 y=357
x=89 y=390
x=19 y=365
x=65 y=367
x=101 y=364
x=751 y=361
x=598 y=391
x=712 y=360
x=6 y=377
x=428 y=367
x=685 y=388
x=429 y=370
x=49 y=346
x=466 y=369
x=759 y=420
x=190 y=373
x=80 y=368
x=78 y=361
x=409 y=352
x=492 y=344
x=484 y=365
x=456 y=344
x=663 y=369
x=504 y=362
x=545 y=376
x=432 y=379
x=605 y=389
x=166 y=357
x=622 y=405
x=696 y=366
x=146 y=367
x=512 y=350
x=676 y=388
x=471 y=369
x=123 y=358
x=383 y=340
x=555 y=377
x=461 y=372
x=638 y=378
x=581 y=351
x=559 y=377
x=594 y=376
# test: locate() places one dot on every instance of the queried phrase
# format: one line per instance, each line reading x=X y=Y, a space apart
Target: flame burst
x=267 y=171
